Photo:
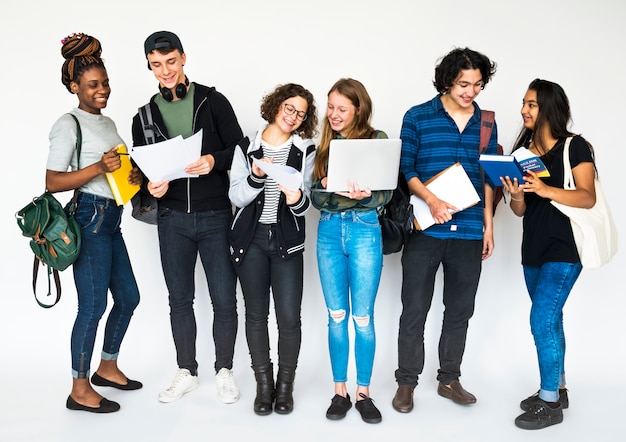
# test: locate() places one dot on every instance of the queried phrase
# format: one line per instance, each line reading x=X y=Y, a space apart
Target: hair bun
x=80 y=45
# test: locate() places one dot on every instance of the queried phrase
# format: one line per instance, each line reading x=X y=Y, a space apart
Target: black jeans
x=262 y=268
x=421 y=258
x=182 y=237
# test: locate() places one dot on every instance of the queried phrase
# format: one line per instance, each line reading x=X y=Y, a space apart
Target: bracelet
x=515 y=199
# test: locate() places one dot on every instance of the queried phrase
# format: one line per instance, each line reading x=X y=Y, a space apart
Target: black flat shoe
x=369 y=412
x=98 y=380
x=106 y=406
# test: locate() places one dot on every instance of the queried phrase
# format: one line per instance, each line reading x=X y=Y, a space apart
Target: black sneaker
x=339 y=406
x=369 y=412
x=540 y=415
x=527 y=403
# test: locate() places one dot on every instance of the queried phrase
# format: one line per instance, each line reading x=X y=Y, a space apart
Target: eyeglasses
x=289 y=109
x=464 y=84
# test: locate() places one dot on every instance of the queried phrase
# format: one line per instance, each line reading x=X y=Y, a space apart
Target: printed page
x=167 y=160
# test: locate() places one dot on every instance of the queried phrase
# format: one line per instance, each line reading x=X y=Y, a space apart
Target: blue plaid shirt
x=431 y=142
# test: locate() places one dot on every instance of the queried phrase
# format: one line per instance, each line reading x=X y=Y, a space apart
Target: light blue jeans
x=549 y=286
x=350 y=262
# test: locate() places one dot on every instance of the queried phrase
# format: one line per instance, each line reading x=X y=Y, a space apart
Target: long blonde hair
x=354 y=91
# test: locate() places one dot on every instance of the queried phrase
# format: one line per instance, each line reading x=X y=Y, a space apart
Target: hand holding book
x=118 y=180
x=514 y=166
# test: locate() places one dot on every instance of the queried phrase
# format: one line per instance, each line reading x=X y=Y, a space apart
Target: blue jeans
x=549 y=285
x=263 y=268
x=182 y=236
x=102 y=265
x=350 y=262
x=421 y=258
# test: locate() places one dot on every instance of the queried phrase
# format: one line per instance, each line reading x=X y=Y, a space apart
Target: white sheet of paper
x=452 y=186
x=522 y=154
x=166 y=161
x=286 y=176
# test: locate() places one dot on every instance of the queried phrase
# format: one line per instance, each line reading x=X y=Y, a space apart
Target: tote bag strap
x=568 y=177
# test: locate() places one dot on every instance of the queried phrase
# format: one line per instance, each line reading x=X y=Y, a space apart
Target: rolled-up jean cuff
x=549 y=396
x=81 y=375
x=108 y=356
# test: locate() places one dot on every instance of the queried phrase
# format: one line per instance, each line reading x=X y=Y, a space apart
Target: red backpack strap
x=487 y=119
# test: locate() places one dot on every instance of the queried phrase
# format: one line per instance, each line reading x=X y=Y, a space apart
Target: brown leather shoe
x=456 y=393
x=403 y=400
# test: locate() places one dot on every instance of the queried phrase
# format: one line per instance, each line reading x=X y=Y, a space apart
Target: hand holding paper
x=167 y=160
x=286 y=176
x=451 y=185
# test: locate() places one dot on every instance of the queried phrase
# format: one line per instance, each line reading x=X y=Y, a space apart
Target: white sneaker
x=183 y=383
x=227 y=391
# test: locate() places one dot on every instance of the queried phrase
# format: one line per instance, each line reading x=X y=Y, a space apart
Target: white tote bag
x=594 y=230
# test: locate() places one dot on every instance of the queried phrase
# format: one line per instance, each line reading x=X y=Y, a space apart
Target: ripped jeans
x=350 y=262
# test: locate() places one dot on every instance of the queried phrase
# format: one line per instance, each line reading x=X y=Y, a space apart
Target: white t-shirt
x=99 y=135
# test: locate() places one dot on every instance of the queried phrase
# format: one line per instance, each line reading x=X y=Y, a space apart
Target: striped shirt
x=272 y=192
x=431 y=142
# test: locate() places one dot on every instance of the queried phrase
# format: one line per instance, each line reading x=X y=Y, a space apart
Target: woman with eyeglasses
x=349 y=251
x=267 y=236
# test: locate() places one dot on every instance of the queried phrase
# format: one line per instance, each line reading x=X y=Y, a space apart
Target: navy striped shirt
x=431 y=142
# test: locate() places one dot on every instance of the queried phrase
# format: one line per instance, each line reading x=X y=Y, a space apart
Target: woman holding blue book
x=550 y=259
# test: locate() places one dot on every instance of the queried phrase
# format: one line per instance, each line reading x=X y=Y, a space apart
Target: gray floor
x=499 y=367
x=199 y=416
x=33 y=409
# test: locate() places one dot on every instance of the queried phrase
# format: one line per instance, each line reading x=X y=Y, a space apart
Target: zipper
x=193 y=130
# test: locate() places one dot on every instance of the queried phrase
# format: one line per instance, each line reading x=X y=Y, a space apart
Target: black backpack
x=396 y=218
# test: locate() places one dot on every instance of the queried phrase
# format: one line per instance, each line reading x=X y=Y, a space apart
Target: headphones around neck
x=181 y=90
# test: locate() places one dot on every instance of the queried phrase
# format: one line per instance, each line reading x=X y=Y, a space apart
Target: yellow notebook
x=122 y=190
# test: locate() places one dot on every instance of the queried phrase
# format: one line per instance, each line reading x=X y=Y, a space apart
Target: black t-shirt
x=547 y=233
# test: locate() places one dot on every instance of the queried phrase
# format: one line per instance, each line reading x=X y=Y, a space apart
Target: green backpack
x=55 y=235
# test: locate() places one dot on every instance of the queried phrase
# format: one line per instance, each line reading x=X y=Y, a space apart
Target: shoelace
x=540 y=411
x=177 y=380
x=226 y=380
x=367 y=402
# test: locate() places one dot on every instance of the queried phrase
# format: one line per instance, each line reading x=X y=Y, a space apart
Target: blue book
x=496 y=166
x=530 y=161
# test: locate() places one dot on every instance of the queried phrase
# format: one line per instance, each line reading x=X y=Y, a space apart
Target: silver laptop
x=372 y=163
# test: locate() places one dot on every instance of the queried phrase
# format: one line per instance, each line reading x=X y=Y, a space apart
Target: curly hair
x=271 y=103
x=457 y=60
x=81 y=53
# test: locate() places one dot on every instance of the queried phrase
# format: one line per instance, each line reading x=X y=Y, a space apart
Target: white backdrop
x=245 y=48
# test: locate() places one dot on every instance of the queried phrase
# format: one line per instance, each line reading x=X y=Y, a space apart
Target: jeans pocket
x=367 y=218
x=325 y=216
x=90 y=215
